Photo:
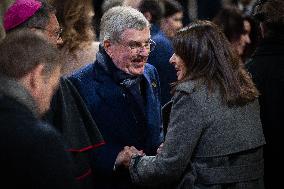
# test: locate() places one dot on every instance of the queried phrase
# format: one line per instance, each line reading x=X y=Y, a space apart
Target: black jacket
x=32 y=153
x=70 y=116
x=267 y=70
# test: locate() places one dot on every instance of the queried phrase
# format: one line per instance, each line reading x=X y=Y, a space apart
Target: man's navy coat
x=119 y=125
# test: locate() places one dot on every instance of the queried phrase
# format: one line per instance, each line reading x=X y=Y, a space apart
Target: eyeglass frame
x=58 y=33
x=138 y=46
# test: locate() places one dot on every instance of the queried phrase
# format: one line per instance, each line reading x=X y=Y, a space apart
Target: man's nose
x=144 y=51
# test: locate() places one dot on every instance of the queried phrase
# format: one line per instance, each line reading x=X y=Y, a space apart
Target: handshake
x=124 y=156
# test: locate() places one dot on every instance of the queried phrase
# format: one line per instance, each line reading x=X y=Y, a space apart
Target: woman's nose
x=247 y=39
x=172 y=59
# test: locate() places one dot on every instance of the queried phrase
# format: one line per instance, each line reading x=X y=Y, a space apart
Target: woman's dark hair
x=231 y=21
x=208 y=56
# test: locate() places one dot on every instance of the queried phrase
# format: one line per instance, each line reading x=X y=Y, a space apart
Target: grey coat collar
x=14 y=89
x=190 y=86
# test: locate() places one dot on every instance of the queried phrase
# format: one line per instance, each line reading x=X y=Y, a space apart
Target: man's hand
x=124 y=156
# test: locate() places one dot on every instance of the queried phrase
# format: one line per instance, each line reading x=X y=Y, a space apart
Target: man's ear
x=107 y=46
x=36 y=79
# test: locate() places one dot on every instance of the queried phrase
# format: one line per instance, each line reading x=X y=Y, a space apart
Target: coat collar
x=14 y=89
x=116 y=74
x=108 y=86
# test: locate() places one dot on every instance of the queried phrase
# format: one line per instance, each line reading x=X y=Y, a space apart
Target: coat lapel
x=153 y=113
x=108 y=90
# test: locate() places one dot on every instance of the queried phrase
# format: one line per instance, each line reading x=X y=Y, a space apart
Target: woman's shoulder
x=191 y=86
x=197 y=92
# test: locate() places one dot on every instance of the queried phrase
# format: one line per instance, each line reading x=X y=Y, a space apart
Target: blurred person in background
x=79 y=45
x=235 y=27
x=252 y=27
x=166 y=21
x=246 y=6
x=153 y=11
x=172 y=17
x=267 y=70
x=132 y=3
x=39 y=16
x=206 y=9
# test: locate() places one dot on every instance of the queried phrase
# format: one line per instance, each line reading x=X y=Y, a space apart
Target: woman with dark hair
x=214 y=137
x=235 y=27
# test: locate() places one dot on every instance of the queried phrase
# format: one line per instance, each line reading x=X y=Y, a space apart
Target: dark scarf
x=133 y=85
x=119 y=76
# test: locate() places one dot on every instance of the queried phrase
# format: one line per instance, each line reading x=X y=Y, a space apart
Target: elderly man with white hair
x=122 y=93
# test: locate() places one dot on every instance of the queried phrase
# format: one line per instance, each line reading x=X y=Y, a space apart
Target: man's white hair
x=117 y=19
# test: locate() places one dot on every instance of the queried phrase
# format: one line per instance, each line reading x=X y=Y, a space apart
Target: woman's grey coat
x=208 y=145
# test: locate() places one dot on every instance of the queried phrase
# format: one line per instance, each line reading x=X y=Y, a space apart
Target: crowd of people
x=141 y=94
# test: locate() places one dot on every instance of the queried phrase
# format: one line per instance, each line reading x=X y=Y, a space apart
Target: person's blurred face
x=132 y=3
x=179 y=65
x=47 y=87
x=244 y=39
x=172 y=24
x=130 y=53
x=53 y=31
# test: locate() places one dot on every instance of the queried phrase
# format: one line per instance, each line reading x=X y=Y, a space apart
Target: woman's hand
x=159 y=150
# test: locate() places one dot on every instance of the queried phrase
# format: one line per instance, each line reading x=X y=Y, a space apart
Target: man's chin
x=137 y=71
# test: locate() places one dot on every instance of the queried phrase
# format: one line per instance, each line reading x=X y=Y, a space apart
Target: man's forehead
x=135 y=34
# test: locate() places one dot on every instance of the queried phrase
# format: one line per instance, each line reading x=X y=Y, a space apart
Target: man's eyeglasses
x=56 y=34
x=59 y=33
x=138 y=46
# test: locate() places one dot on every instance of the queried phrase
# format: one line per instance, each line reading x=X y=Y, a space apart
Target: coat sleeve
x=184 y=130
x=50 y=163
